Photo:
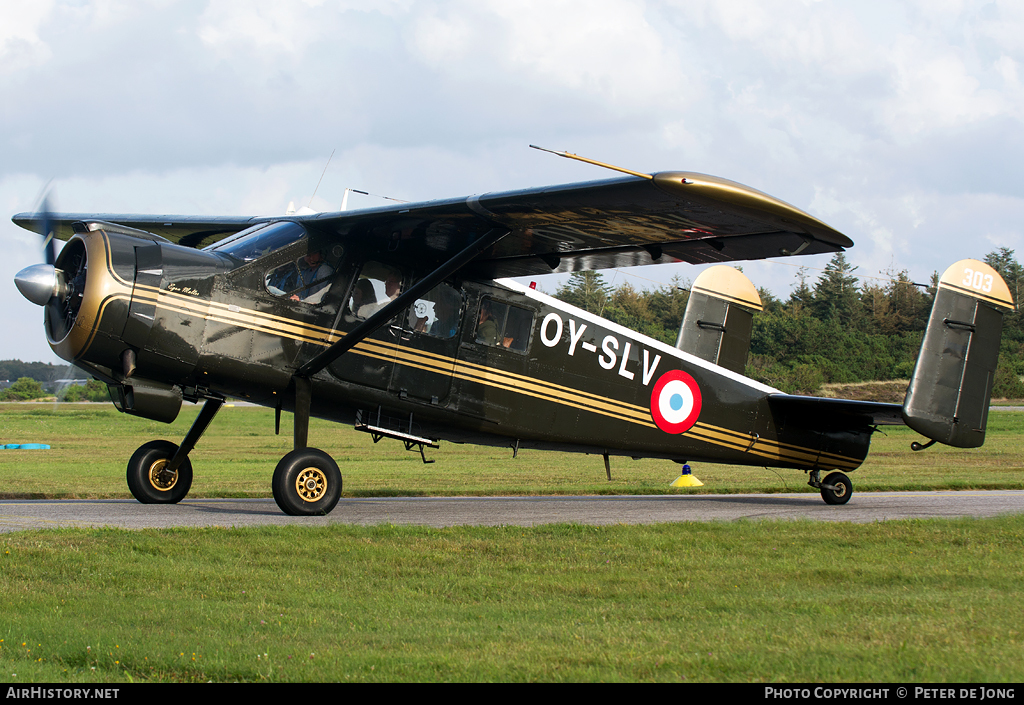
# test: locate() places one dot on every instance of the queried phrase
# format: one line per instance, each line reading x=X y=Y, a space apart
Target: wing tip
x=716 y=188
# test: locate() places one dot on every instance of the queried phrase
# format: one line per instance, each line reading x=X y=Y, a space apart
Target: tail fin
x=719 y=317
x=948 y=397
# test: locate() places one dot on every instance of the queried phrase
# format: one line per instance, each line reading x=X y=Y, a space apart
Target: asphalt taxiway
x=18 y=515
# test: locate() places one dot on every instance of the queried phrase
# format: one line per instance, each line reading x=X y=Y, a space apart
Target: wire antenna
x=570 y=155
x=321 y=177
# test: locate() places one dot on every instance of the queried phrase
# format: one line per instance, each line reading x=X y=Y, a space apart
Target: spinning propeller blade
x=45 y=213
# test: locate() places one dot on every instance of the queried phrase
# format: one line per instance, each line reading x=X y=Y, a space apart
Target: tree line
x=840 y=328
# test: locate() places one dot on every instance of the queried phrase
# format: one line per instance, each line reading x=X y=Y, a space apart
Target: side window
x=305 y=279
x=437 y=312
x=503 y=325
x=378 y=285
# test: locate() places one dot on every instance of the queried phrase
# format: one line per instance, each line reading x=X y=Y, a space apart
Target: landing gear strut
x=307 y=481
x=160 y=472
x=835 y=489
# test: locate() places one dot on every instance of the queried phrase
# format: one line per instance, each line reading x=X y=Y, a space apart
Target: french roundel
x=675 y=402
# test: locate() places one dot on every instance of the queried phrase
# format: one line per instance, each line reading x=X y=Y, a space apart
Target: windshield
x=260 y=240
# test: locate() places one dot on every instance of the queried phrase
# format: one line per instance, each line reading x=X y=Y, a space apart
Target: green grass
x=91 y=445
x=909 y=601
x=903 y=601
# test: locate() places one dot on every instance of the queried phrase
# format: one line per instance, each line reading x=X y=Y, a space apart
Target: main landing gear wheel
x=149 y=479
x=307 y=482
x=841 y=490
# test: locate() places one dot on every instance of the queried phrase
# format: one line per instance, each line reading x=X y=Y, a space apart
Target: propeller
x=48 y=229
x=60 y=289
x=41 y=282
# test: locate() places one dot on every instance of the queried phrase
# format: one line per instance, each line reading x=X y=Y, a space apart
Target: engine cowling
x=123 y=304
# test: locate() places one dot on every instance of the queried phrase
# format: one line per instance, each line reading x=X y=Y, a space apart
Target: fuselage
x=486 y=362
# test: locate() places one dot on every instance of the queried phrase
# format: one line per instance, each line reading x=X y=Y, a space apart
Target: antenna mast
x=570 y=155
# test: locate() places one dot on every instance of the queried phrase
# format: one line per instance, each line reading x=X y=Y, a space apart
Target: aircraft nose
x=38 y=283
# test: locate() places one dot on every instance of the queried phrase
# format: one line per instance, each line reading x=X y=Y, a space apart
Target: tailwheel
x=836 y=488
x=149 y=479
x=307 y=482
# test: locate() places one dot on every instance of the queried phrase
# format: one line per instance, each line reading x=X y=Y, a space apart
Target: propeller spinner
x=41 y=282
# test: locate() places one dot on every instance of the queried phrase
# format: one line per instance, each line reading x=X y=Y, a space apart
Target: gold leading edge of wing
x=714 y=188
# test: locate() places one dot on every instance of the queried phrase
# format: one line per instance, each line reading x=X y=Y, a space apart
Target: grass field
x=905 y=601
x=901 y=601
x=91 y=444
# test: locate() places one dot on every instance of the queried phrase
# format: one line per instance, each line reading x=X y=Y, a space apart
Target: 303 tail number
x=977 y=280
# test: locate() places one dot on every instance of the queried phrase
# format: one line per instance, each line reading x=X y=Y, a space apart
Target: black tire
x=840 y=495
x=307 y=482
x=150 y=483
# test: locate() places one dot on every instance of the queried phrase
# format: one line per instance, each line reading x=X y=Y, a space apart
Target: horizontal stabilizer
x=825 y=413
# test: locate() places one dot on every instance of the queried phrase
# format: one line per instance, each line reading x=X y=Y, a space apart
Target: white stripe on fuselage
x=634 y=336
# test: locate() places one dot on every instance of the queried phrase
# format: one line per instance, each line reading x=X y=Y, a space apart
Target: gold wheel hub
x=311 y=484
x=160 y=477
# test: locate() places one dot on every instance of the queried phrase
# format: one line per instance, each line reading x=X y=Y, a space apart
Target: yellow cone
x=686 y=479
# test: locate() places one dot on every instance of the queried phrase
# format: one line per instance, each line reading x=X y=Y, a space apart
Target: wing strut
x=302 y=376
x=378 y=319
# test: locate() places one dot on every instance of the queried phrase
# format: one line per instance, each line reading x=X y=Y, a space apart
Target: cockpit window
x=260 y=240
x=305 y=279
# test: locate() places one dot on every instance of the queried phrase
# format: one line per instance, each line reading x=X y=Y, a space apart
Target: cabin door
x=427 y=342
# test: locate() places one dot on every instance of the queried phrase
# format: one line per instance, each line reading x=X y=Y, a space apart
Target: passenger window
x=437 y=313
x=305 y=279
x=503 y=325
x=378 y=285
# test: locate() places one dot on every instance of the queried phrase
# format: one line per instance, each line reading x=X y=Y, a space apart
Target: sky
x=899 y=123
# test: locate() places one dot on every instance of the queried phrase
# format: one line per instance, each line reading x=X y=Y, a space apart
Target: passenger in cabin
x=314 y=275
x=446 y=316
x=362 y=295
x=487 y=327
x=282 y=280
x=392 y=288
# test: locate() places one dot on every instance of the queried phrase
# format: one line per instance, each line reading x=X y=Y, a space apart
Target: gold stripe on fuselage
x=481 y=374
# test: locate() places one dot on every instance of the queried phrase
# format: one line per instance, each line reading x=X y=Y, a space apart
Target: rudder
x=719 y=317
x=949 y=394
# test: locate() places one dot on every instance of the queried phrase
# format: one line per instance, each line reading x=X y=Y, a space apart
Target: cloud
x=899 y=123
x=20 y=44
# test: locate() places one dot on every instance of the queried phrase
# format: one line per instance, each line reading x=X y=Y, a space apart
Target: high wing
x=188 y=230
x=621 y=222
